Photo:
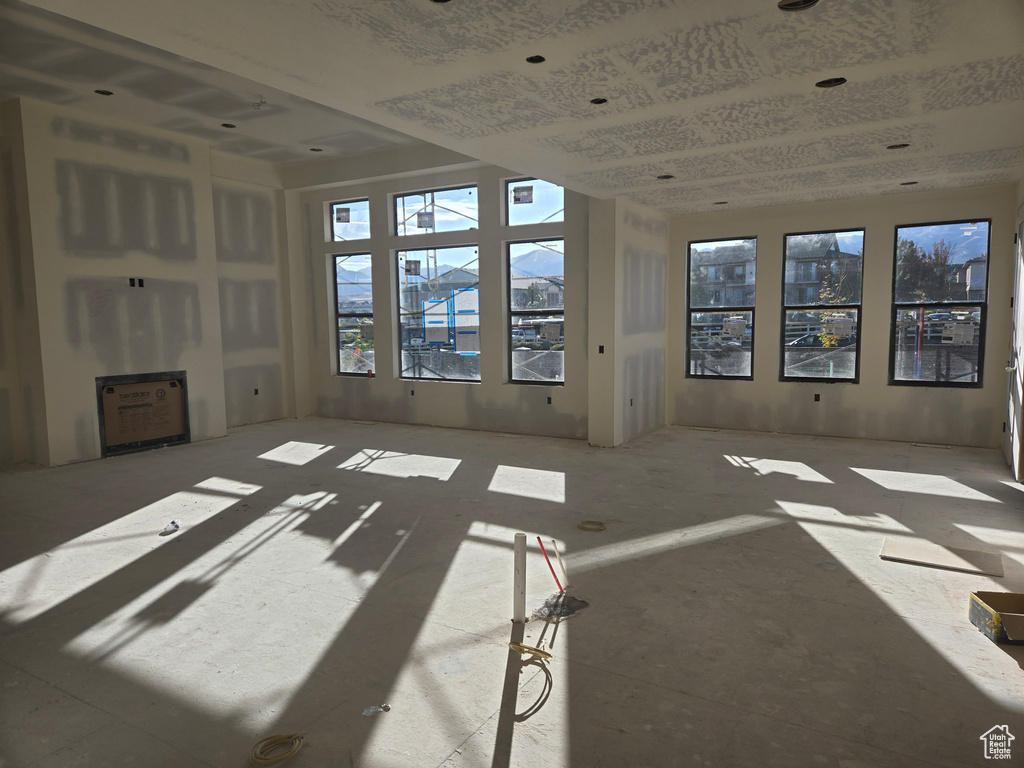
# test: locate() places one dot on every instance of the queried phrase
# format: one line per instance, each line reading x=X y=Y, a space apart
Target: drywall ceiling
x=52 y=58
x=719 y=95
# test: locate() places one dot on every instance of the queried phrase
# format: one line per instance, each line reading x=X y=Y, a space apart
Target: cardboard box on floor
x=999 y=615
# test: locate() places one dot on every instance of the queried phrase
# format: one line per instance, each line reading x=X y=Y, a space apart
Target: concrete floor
x=740 y=614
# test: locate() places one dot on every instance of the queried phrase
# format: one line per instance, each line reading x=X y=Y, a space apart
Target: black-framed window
x=940 y=301
x=353 y=289
x=533 y=201
x=720 y=320
x=350 y=220
x=439 y=313
x=536 y=311
x=823 y=277
x=454 y=209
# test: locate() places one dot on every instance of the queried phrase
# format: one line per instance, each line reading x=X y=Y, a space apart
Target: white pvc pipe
x=519 y=588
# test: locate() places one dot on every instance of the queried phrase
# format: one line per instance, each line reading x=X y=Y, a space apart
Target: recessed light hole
x=536 y=59
x=103 y=92
x=599 y=100
x=830 y=82
x=897 y=146
x=721 y=202
x=665 y=177
x=908 y=183
x=315 y=149
x=227 y=125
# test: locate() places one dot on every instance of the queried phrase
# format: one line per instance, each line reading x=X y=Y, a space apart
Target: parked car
x=716 y=344
x=814 y=340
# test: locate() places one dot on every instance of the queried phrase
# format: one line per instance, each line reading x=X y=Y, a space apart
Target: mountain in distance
x=540 y=262
x=354 y=283
x=966 y=243
x=353 y=275
x=442 y=270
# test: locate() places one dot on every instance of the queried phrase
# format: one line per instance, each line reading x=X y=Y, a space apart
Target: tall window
x=822 y=281
x=437 y=210
x=532 y=201
x=720 y=334
x=439 y=313
x=353 y=287
x=536 y=301
x=350 y=220
x=940 y=291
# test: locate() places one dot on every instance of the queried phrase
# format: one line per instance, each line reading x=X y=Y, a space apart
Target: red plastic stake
x=549 y=564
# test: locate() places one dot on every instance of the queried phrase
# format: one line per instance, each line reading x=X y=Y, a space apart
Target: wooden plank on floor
x=921 y=552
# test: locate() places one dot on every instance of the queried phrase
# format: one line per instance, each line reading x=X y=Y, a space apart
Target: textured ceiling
x=51 y=58
x=718 y=94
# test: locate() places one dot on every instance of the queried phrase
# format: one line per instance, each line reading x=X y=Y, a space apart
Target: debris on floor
x=560 y=606
x=170 y=528
x=376 y=709
x=920 y=552
x=263 y=753
x=999 y=615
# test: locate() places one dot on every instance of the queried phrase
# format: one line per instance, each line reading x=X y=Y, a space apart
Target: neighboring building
x=727 y=274
x=808 y=259
x=538 y=292
x=970 y=278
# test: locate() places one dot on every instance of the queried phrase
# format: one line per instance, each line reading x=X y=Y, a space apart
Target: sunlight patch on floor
x=268 y=593
x=918 y=482
x=47 y=580
x=296 y=453
x=913 y=593
x=542 y=484
x=403 y=465
x=463 y=646
x=645 y=546
x=796 y=469
x=1009 y=544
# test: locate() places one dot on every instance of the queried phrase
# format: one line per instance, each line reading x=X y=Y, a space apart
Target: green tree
x=921 y=276
x=841 y=283
x=535 y=296
x=356 y=339
x=700 y=294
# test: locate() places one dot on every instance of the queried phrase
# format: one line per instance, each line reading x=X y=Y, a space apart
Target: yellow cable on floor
x=535 y=653
x=262 y=753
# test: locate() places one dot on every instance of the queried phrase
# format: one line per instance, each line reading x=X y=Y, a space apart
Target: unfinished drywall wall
x=253 y=288
x=491 y=404
x=871 y=408
x=629 y=264
x=108 y=212
x=604 y=414
x=1013 y=437
x=642 y=242
x=133 y=328
x=124 y=253
x=23 y=437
